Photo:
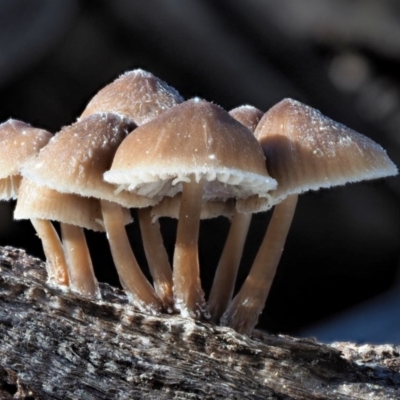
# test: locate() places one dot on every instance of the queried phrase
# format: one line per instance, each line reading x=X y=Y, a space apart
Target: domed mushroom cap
x=306 y=150
x=194 y=138
x=247 y=115
x=136 y=94
x=19 y=143
x=75 y=159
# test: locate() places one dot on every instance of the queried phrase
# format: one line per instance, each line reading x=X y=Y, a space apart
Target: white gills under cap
x=75 y=159
x=137 y=94
x=195 y=138
x=306 y=150
x=19 y=142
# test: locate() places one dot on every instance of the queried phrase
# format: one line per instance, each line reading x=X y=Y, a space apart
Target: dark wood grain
x=56 y=345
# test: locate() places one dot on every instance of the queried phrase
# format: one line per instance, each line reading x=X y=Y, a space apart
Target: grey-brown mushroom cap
x=76 y=158
x=247 y=115
x=19 y=143
x=306 y=150
x=137 y=94
x=195 y=138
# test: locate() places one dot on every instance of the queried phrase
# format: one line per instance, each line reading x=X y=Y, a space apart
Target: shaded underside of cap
x=169 y=207
x=9 y=187
x=75 y=159
x=136 y=94
x=40 y=202
x=19 y=142
x=306 y=150
x=193 y=140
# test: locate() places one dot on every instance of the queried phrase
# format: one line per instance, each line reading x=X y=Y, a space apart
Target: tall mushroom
x=20 y=142
x=304 y=151
x=141 y=96
x=84 y=151
x=226 y=272
x=198 y=149
x=40 y=203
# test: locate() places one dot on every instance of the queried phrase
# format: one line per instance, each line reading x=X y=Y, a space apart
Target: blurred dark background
x=340 y=56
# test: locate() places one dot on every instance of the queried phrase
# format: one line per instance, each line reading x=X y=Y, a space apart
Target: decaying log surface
x=56 y=345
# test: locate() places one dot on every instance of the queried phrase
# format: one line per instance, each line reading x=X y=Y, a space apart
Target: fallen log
x=57 y=345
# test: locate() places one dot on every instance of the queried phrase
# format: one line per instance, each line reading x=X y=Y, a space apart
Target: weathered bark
x=56 y=345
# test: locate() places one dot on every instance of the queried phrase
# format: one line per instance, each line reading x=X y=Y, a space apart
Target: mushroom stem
x=56 y=265
x=131 y=276
x=157 y=257
x=80 y=268
x=244 y=310
x=189 y=295
x=226 y=273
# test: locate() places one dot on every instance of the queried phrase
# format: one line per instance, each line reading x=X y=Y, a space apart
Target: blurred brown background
x=340 y=56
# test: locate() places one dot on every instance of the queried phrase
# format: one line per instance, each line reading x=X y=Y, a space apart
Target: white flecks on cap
x=306 y=150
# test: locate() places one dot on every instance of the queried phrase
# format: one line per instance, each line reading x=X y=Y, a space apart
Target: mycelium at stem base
x=56 y=265
x=244 y=310
x=80 y=268
x=157 y=257
x=131 y=276
x=226 y=273
x=189 y=295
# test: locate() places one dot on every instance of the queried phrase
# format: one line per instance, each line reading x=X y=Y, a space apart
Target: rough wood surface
x=55 y=345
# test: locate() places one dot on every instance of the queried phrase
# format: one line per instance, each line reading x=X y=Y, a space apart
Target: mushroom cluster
x=138 y=144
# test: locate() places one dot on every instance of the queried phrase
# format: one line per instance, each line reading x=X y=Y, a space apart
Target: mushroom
x=141 y=96
x=84 y=151
x=198 y=149
x=226 y=272
x=40 y=203
x=20 y=142
x=304 y=151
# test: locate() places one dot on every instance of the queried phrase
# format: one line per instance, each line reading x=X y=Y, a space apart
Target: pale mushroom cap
x=195 y=138
x=76 y=158
x=136 y=94
x=247 y=115
x=41 y=202
x=169 y=207
x=19 y=142
x=306 y=150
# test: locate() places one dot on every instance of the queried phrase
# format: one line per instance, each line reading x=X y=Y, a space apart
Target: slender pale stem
x=131 y=276
x=226 y=273
x=56 y=265
x=80 y=268
x=244 y=310
x=157 y=257
x=189 y=295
